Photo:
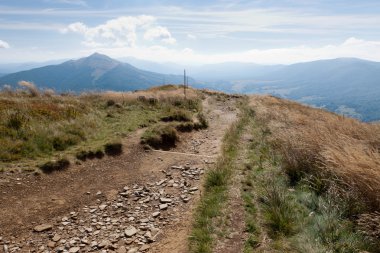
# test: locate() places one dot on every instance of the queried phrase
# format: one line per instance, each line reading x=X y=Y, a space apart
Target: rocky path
x=138 y=202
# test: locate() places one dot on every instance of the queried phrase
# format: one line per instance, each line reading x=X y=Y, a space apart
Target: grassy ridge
x=306 y=212
x=324 y=146
x=311 y=212
x=38 y=125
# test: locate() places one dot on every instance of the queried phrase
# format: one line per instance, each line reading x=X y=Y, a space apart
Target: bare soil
x=27 y=200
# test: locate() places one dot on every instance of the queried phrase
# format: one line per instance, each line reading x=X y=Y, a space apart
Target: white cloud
x=121 y=32
x=3 y=44
x=71 y=2
x=160 y=33
x=77 y=27
x=191 y=36
x=352 y=47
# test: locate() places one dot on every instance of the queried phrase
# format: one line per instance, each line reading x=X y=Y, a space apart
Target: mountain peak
x=97 y=60
x=97 y=55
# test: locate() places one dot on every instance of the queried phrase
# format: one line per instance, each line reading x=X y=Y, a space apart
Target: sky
x=190 y=32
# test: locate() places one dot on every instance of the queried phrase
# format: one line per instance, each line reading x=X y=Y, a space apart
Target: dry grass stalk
x=30 y=87
x=317 y=141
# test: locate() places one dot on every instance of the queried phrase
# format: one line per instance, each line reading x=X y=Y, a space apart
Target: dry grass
x=40 y=124
x=161 y=93
x=315 y=142
x=30 y=87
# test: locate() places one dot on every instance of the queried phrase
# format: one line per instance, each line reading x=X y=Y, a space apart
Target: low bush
x=52 y=166
x=110 y=102
x=81 y=155
x=203 y=123
x=63 y=141
x=99 y=154
x=113 y=149
x=185 y=127
x=84 y=155
x=163 y=136
x=178 y=115
x=16 y=120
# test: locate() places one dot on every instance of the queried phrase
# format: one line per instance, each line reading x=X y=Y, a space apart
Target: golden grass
x=316 y=141
x=160 y=93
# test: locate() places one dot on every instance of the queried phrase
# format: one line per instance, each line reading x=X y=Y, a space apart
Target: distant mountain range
x=346 y=85
x=96 y=72
x=16 y=67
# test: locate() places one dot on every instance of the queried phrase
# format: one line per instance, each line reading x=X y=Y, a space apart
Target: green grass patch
x=178 y=115
x=42 y=128
x=216 y=189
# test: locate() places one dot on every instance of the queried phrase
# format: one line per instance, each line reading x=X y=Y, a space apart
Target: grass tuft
x=113 y=149
x=178 y=115
x=203 y=123
x=162 y=136
x=52 y=166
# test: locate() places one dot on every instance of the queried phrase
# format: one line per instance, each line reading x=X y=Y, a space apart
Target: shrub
x=16 y=120
x=152 y=101
x=64 y=141
x=113 y=149
x=52 y=166
x=99 y=154
x=185 y=127
x=81 y=155
x=84 y=155
x=178 y=115
x=110 y=102
x=160 y=136
x=202 y=120
x=190 y=104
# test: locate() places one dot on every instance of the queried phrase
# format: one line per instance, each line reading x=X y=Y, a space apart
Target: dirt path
x=94 y=195
x=235 y=230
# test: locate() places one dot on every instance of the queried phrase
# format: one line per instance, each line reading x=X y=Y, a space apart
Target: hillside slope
x=346 y=86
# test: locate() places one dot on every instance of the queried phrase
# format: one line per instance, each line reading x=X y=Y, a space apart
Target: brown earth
x=27 y=200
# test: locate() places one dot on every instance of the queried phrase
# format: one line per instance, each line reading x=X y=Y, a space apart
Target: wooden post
x=184 y=82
